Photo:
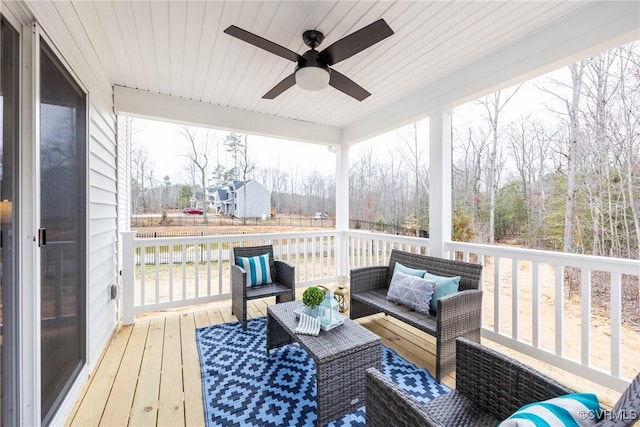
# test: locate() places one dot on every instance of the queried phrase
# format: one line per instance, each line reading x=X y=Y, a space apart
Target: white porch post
x=128 y=276
x=439 y=182
x=342 y=211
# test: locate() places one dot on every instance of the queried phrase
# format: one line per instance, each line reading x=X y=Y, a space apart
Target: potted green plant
x=311 y=298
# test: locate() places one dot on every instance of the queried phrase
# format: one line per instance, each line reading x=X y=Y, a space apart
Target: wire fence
x=199 y=220
x=268 y=224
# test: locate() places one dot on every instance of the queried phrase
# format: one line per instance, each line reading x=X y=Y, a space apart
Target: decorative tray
x=324 y=326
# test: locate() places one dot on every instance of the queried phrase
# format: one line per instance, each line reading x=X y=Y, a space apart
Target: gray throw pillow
x=411 y=291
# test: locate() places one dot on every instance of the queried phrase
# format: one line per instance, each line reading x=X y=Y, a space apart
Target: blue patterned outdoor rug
x=242 y=386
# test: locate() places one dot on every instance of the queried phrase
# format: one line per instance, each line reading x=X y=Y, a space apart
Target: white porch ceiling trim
x=156 y=106
x=594 y=29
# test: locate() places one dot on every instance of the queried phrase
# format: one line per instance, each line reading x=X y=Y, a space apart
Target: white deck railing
x=542 y=306
x=165 y=273
x=546 y=306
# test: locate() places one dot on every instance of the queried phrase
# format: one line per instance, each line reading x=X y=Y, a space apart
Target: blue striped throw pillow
x=576 y=410
x=257 y=268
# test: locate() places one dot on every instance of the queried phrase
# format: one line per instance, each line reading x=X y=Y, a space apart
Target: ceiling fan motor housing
x=312 y=38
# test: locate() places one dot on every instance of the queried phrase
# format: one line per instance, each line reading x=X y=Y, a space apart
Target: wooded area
x=570 y=182
x=567 y=179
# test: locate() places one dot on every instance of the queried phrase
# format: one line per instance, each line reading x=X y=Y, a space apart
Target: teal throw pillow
x=444 y=286
x=257 y=268
x=576 y=409
x=407 y=270
x=411 y=291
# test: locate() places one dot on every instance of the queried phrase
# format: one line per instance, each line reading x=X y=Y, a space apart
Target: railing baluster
x=305 y=256
x=156 y=272
x=143 y=273
x=616 y=322
x=559 y=295
x=220 y=256
x=196 y=267
x=184 y=272
x=171 y=261
x=208 y=261
x=515 y=300
x=535 y=303
x=313 y=258
x=481 y=261
x=496 y=294
x=585 y=355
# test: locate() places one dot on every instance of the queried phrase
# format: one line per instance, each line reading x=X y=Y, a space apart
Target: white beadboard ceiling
x=442 y=52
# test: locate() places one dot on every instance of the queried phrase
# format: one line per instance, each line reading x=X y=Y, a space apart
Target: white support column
x=342 y=211
x=128 y=277
x=440 y=211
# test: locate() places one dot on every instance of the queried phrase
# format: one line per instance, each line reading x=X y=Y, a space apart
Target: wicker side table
x=342 y=356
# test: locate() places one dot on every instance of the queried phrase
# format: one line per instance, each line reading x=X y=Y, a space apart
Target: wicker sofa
x=457 y=315
x=489 y=388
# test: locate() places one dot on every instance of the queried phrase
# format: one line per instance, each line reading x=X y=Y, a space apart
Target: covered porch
x=529 y=303
x=171 y=61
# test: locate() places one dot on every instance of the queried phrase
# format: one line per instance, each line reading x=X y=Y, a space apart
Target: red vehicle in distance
x=193 y=211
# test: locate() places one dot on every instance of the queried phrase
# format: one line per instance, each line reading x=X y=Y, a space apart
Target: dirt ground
x=600 y=328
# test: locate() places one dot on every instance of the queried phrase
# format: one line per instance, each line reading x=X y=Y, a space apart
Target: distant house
x=231 y=200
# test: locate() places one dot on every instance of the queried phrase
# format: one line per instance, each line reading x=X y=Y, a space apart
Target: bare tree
x=573 y=110
x=142 y=174
x=238 y=146
x=363 y=178
x=472 y=145
x=629 y=135
x=494 y=107
x=411 y=152
x=392 y=188
x=198 y=154
x=275 y=180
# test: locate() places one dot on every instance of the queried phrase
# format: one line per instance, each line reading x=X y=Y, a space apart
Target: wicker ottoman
x=342 y=356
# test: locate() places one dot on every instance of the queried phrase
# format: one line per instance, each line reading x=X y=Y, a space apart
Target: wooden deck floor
x=150 y=373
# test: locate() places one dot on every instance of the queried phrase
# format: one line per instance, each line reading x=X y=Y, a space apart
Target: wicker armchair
x=282 y=274
x=458 y=315
x=489 y=388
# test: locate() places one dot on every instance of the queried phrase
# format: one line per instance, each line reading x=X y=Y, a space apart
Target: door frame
x=11 y=316
x=30 y=259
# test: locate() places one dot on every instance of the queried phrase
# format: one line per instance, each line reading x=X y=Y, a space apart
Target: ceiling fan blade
x=262 y=43
x=348 y=86
x=285 y=84
x=355 y=42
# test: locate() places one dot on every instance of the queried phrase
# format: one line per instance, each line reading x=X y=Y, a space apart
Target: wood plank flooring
x=150 y=373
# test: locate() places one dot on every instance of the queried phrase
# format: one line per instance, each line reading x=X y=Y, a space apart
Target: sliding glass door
x=62 y=236
x=8 y=224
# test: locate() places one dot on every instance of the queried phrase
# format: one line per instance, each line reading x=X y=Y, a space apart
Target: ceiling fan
x=314 y=71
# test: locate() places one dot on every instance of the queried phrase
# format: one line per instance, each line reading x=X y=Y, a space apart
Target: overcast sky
x=166 y=146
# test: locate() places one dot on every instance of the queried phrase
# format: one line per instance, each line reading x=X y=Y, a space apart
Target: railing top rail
x=591 y=262
x=155 y=241
x=394 y=238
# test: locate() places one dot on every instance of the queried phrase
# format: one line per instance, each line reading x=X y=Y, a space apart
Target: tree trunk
x=574 y=128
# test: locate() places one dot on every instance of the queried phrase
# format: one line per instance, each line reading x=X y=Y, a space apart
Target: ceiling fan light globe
x=312 y=78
